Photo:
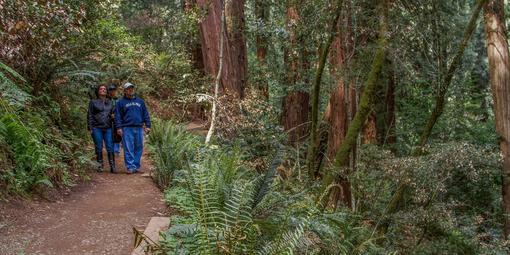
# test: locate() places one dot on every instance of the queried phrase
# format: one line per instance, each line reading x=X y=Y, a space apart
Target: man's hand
x=147 y=130
x=119 y=132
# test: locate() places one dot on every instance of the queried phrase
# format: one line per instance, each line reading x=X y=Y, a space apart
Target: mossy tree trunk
x=365 y=104
x=445 y=84
x=324 y=51
x=342 y=105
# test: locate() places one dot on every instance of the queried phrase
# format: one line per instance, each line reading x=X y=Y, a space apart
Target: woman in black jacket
x=99 y=123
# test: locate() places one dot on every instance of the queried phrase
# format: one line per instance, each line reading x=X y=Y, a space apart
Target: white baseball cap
x=127 y=85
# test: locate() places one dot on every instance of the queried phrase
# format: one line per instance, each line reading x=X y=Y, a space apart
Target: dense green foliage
x=52 y=58
x=226 y=207
x=248 y=193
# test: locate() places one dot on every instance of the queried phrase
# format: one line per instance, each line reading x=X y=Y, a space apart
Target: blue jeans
x=100 y=135
x=116 y=148
x=132 y=141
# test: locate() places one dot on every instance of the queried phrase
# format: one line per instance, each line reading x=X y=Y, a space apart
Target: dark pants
x=100 y=135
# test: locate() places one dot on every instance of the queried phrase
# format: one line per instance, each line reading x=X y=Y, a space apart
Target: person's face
x=112 y=93
x=129 y=91
x=102 y=91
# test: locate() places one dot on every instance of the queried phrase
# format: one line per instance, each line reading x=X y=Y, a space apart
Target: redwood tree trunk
x=342 y=102
x=364 y=108
x=234 y=71
x=497 y=52
x=296 y=103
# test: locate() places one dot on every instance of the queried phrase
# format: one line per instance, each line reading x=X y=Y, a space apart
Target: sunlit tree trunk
x=497 y=52
x=233 y=78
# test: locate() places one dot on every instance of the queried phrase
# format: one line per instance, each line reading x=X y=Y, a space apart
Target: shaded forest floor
x=95 y=218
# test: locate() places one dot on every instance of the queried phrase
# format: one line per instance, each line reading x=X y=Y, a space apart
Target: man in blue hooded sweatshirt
x=132 y=120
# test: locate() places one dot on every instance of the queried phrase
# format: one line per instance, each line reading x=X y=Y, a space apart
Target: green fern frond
x=263 y=184
x=9 y=89
x=11 y=72
x=287 y=242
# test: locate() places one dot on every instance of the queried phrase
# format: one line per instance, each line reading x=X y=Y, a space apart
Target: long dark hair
x=98 y=87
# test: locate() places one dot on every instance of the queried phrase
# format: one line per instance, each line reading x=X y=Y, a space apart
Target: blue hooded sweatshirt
x=131 y=112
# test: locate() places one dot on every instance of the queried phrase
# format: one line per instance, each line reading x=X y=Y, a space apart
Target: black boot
x=99 y=156
x=111 y=161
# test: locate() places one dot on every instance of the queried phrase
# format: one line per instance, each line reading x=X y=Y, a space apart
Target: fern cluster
x=35 y=152
x=228 y=208
x=171 y=146
x=31 y=157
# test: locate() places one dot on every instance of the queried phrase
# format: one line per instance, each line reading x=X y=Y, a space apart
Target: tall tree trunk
x=385 y=107
x=342 y=101
x=365 y=105
x=296 y=103
x=217 y=81
x=324 y=51
x=262 y=16
x=233 y=78
x=499 y=63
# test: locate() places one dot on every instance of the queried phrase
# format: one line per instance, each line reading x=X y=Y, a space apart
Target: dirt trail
x=95 y=218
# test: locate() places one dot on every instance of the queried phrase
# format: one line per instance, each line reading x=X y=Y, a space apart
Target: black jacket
x=99 y=114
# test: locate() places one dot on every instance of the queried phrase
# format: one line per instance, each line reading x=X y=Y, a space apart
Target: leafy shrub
x=227 y=208
x=251 y=124
x=450 y=205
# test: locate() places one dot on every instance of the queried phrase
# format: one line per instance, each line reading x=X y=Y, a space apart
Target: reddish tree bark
x=369 y=132
x=498 y=55
x=234 y=71
x=342 y=102
x=296 y=103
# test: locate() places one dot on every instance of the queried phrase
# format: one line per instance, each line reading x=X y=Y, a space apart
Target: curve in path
x=95 y=218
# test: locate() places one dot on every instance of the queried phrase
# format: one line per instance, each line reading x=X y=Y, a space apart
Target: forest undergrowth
x=227 y=206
